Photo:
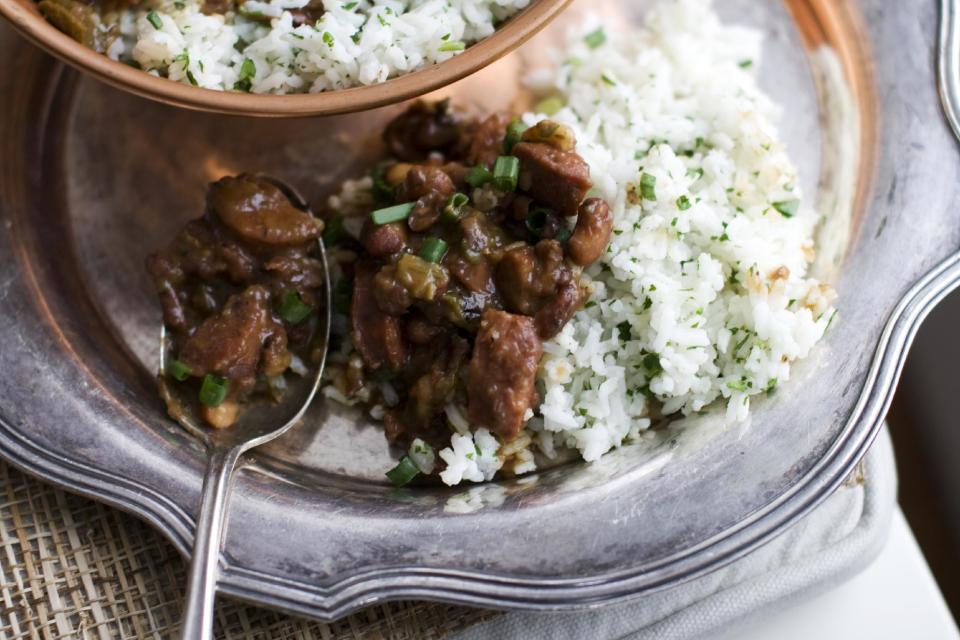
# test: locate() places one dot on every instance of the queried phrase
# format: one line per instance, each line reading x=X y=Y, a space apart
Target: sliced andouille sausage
x=558 y=179
x=376 y=335
x=503 y=369
x=230 y=343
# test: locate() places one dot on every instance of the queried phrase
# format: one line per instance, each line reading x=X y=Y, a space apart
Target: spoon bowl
x=258 y=423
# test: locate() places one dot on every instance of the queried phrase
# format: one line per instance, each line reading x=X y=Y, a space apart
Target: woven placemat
x=73 y=568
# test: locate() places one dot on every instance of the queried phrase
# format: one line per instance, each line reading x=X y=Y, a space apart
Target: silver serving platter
x=92 y=179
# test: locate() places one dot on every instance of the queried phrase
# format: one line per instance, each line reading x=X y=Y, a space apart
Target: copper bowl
x=25 y=17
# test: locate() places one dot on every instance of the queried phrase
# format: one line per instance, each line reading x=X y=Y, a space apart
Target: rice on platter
x=701 y=300
x=289 y=46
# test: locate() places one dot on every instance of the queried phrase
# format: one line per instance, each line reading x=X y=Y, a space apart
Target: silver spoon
x=257 y=425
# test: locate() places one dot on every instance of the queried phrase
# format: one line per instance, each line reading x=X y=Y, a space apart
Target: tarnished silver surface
x=91 y=180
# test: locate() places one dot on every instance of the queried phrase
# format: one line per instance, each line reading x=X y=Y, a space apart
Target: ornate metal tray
x=91 y=179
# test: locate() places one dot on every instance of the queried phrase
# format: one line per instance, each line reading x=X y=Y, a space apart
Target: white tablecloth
x=838 y=540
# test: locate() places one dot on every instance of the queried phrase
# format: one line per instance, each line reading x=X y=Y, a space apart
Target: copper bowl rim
x=26 y=19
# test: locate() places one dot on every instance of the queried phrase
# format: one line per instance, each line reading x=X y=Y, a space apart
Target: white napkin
x=833 y=543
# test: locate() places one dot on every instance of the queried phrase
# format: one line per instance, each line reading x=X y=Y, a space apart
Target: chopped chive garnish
x=334 y=231
x=350 y=5
x=514 y=131
x=190 y=77
x=608 y=80
x=247 y=70
x=327 y=38
x=683 y=203
x=695 y=174
x=433 y=249
x=746 y=64
x=155 y=20
x=452 y=46
x=454 y=209
x=382 y=190
x=648 y=186
x=787 y=208
x=595 y=38
x=651 y=362
x=178 y=370
x=403 y=473
x=213 y=390
x=505 y=173
x=738 y=385
x=478 y=176
x=293 y=309
x=537 y=221
x=549 y=106
x=395 y=213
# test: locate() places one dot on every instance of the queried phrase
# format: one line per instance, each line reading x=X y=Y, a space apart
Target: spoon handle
x=202 y=582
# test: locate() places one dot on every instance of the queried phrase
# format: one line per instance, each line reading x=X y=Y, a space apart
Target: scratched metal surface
x=92 y=179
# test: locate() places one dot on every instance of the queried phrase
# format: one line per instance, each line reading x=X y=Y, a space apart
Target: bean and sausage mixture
x=470 y=260
x=240 y=288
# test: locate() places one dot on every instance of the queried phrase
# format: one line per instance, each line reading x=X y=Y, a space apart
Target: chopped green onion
x=683 y=203
x=213 y=390
x=505 y=173
x=746 y=64
x=342 y=296
x=327 y=38
x=454 y=209
x=178 y=370
x=738 y=385
x=787 y=208
x=652 y=363
x=648 y=186
x=191 y=78
x=395 y=213
x=155 y=20
x=537 y=221
x=403 y=473
x=247 y=71
x=478 y=176
x=514 y=131
x=433 y=249
x=608 y=80
x=595 y=38
x=293 y=309
x=382 y=190
x=452 y=46
x=549 y=106
x=334 y=231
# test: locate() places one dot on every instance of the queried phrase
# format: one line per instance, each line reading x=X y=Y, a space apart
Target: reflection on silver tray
x=91 y=179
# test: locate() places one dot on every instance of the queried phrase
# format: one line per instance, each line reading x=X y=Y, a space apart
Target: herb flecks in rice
x=691 y=159
x=353 y=43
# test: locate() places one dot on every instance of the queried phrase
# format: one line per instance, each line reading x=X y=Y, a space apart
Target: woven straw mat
x=73 y=568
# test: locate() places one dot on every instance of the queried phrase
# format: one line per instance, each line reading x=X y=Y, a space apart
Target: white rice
x=702 y=297
x=354 y=43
